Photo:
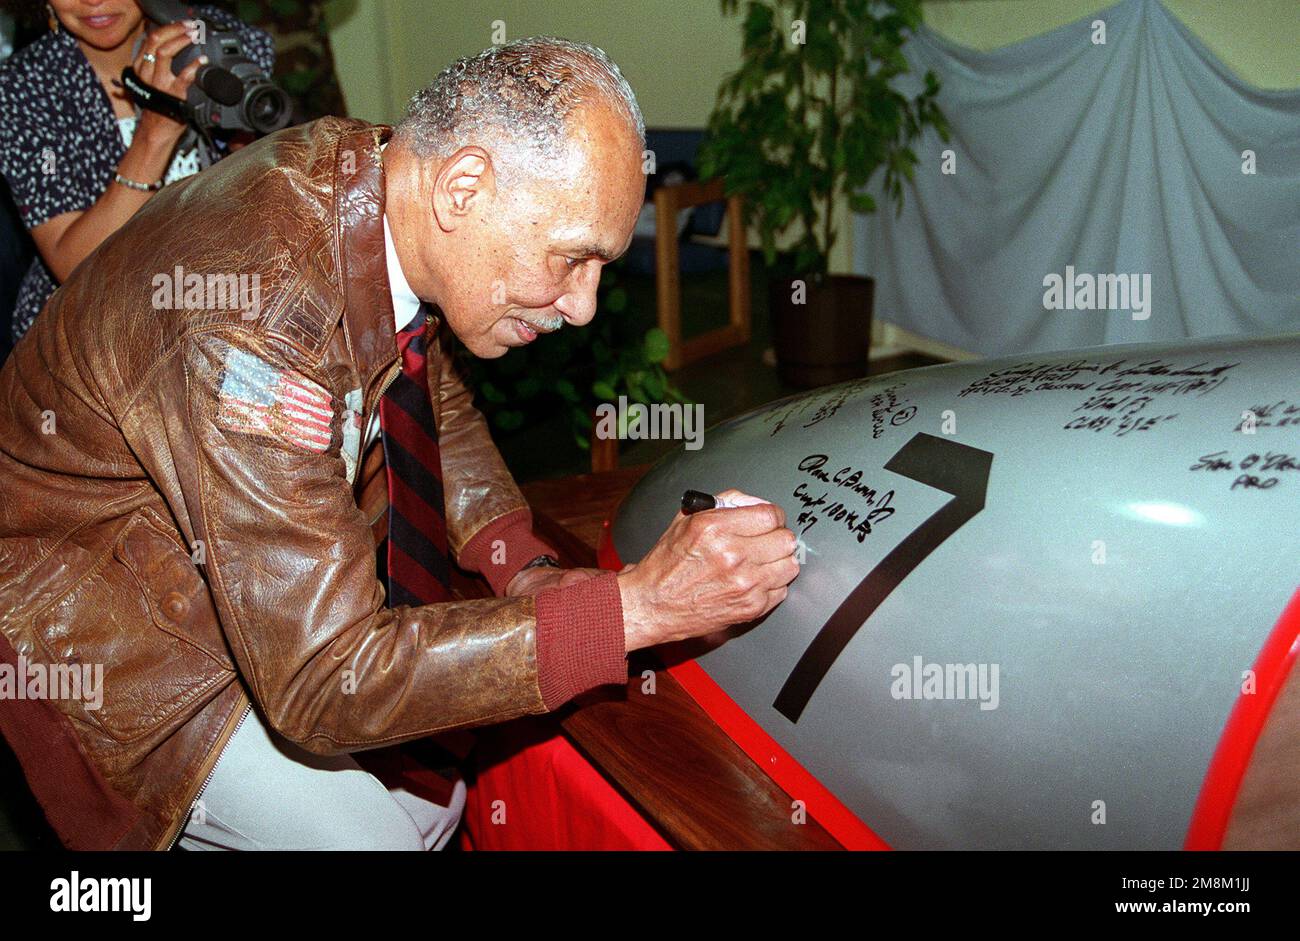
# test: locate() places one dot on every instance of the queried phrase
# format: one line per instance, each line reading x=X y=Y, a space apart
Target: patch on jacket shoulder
x=260 y=399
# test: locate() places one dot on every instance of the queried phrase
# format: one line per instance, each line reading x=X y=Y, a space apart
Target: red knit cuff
x=580 y=638
x=499 y=562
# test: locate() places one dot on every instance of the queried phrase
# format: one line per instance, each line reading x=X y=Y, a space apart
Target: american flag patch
x=260 y=399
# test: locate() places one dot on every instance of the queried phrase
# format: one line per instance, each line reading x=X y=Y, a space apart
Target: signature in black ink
x=874 y=507
x=1119 y=425
x=887 y=404
x=1270 y=462
x=817 y=407
x=1279 y=414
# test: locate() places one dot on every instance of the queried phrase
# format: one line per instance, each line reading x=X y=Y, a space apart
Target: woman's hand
x=162 y=44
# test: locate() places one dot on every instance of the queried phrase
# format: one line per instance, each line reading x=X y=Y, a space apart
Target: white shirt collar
x=406 y=306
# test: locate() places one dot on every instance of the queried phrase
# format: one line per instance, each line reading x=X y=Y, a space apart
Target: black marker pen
x=695 y=500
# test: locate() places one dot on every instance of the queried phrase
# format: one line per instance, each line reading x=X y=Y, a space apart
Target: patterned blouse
x=61 y=142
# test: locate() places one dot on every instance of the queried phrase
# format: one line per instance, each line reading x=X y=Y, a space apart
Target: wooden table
x=664 y=753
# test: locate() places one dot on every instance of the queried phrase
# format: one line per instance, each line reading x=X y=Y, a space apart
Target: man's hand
x=708 y=571
x=535 y=580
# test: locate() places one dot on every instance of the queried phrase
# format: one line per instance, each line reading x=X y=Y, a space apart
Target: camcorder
x=230 y=93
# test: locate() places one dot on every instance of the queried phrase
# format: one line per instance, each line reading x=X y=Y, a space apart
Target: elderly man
x=178 y=473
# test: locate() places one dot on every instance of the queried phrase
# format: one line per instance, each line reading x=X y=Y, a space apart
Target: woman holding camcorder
x=79 y=152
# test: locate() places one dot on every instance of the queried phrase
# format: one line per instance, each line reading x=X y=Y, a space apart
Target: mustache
x=545 y=324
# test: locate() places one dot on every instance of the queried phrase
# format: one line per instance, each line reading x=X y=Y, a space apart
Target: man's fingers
x=741 y=520
x=739 y=497
x=768 y=547
x=760 y=602
x=774 y=597
x=776 y=574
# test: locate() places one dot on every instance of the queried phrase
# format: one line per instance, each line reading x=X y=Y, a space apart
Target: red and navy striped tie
x=419 y=569
x=418 y=564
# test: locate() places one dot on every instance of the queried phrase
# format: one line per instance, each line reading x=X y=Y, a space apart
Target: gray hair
x=515 y=100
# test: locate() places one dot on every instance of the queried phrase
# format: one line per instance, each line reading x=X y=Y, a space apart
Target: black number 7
x=937 y=462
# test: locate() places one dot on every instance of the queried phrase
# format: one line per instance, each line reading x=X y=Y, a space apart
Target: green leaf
x=635 y=387
x=656 y=385
x=566 y=390
x=862 y=202
x=604 y=391
x=758 y=26
x=787 y=141
x=657 y=346
x=528 y=387
x=509 y=420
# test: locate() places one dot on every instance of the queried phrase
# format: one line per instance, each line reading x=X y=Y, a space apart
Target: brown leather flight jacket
x=152 y=520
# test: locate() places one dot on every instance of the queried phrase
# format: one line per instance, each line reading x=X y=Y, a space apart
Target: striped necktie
x=419 y=570
x=418 y=564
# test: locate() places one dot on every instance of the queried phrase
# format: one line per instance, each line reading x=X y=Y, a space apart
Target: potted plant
x=810 y=116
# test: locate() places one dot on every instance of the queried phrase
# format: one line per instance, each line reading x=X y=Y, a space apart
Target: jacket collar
x=363 y=272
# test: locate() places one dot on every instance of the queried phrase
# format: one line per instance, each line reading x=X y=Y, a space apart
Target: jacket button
x=175 y=605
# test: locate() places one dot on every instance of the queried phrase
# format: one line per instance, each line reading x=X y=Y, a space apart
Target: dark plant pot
x=826 y=338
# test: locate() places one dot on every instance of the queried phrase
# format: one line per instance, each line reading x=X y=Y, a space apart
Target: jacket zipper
x=248 y=707
x=373 y=415
x=373 y=412
x=394 y=369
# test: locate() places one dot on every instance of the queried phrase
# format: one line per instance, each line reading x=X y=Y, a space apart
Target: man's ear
x=461 y=185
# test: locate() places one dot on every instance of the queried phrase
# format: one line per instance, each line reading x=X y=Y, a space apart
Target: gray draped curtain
x=1072 y=157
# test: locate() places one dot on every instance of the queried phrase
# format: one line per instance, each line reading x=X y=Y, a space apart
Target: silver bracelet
x=141 y=187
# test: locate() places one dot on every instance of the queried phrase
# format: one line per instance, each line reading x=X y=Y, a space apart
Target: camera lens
x=267 y=109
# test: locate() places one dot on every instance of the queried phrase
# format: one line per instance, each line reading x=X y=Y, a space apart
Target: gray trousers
x=268 y=794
